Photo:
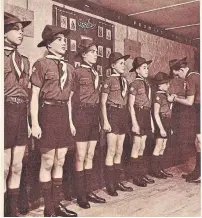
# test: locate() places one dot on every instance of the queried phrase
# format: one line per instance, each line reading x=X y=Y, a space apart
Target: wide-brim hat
x=161 y=78
x=11 y=19
x=50 y=32
x=84 y=45
x=138 y=61
x=177 y=63
x=115 y=56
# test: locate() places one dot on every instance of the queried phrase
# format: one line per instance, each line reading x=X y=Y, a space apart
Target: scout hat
x=84 y=45
x=115 y=56
x=177 y=63
x=161 y=78
x=11 y=19
x=50 y=32
x=138 y=61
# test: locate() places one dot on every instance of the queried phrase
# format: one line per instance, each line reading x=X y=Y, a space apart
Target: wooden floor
x=172 y=197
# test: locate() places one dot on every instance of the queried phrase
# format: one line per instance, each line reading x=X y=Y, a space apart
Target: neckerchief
x=95 y=73
x=123 y=83
x=63 y=75
x=18 y=69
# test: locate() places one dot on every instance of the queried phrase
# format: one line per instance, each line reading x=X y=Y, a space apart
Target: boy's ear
x=112 y=66
x=83 y=55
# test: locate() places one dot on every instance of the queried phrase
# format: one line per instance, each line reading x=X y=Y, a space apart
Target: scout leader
x=51 y=80
x=16 y=79
x=140 y=111
x=115 y=116
x=192 y=97
x=162 y=119
x=85 y=121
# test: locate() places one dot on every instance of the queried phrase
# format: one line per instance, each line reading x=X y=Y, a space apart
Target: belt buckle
x=18 y=100
x=119 y=106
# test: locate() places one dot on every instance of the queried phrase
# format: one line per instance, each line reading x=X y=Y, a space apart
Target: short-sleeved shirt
x=165 y=105
x=84 y=87
x=46 y=76
x=192 y=86
x=141 y=90
x=112 y=87
x=15 y=86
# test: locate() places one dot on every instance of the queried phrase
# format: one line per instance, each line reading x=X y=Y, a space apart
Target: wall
x=158 y=49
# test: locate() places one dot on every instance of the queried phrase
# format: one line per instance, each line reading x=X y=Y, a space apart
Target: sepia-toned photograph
x=101 y=108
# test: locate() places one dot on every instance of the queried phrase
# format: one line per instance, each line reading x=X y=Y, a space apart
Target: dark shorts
x=15 y=125
x=143 y=117
x=197 y=108
x=54 y=123
x=166 y=122
x=118 y=119
x=86 y=122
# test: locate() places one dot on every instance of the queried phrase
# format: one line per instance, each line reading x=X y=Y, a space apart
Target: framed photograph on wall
x=72 y=45
x=72 y=24
x=108 y=34
x=108 y=52
x=100 y=51
x=63 y=21
x=108 y=72
x=100 y=31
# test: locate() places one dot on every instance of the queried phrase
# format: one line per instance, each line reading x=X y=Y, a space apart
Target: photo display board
x=85 y=27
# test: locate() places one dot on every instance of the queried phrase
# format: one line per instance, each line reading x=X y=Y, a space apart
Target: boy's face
x=58 y=45
x=15 y=35
x=119 y=66
x=143 y=70
x=180 y=73
x=164 y=86
x=90 y=56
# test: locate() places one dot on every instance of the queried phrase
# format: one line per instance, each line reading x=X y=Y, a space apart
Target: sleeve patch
x=105 y=86
x=33 y=69
x=131 y=89
x=157 y=98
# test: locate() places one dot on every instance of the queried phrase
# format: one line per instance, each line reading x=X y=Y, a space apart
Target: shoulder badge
x=105 y=86
x=157 y=98
x=131 y=89
x=33 y=69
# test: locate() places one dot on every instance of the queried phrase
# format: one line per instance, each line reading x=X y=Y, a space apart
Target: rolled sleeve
x=37 y=77
x=133 y=88
x=191 y=86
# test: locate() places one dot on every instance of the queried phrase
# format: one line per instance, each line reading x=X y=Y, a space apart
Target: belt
x=117 y=105
x=16 y=100
x=55 y=102
x=142 y=107
x=88 y=105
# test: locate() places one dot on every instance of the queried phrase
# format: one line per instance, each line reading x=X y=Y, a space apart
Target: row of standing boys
x=65 y=108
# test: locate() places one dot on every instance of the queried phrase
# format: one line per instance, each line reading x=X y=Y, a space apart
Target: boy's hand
x=136 y=129
x=73 y=129
x=107 y=127
x=171 y=97
x=163 y=133
x=36 y=131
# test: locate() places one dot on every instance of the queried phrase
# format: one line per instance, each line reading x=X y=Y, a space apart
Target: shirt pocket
x=85 y=82
x=51 y=76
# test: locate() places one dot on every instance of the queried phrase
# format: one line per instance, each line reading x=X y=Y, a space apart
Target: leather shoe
x=111 y=190
x=184 y=176
x=121 y=187
x=82 y=202
x=159 y=175
x=95 y=199
x=139 y=182
x=63 y=210
x=196 y=180
x=148 y=180
x=166 y=173
x=49 y=214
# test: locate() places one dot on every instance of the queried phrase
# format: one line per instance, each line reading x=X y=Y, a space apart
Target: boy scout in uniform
x=16 y=79
x=51 y=80
x=192 y=92
x=162 y=115
x=84 y=121
x=140 y=111
x=115 y=115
